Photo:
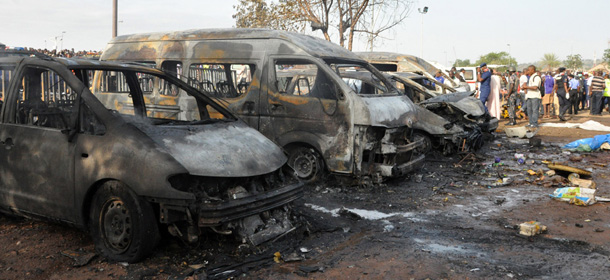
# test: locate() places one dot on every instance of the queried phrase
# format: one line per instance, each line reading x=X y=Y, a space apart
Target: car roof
x=75 y=63
x=312 y=45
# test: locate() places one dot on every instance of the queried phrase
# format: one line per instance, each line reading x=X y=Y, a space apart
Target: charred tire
x=427 y=146
x=307 y=164
x=123 y=226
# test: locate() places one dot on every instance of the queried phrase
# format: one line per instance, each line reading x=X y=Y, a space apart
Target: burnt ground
x=447 y=221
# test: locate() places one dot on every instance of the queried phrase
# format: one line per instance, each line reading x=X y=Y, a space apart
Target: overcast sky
x=462 y=29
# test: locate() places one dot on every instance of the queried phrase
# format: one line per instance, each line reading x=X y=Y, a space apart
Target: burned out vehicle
x=122 y=172
x=459 y=108
x=287 y=86
x=438 y=132
x=403 y=63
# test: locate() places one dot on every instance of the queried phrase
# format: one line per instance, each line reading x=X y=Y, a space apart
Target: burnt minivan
x=289 y=87
x=122 y=171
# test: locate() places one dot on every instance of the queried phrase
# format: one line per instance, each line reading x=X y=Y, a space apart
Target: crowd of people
x=534 y=93
x=68 y=53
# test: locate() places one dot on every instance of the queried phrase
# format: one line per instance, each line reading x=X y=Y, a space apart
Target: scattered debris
x=599 y=230
x=531 y=228
x=561 y=167
x=578 y=225
x=276 y=257
x=80 y=257
x=575 y=195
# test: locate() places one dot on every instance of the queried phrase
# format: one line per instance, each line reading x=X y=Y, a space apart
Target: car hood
x=463 y=101
x=222 y=149
x=389 y=111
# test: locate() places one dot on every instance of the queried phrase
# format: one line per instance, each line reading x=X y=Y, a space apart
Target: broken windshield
x=362 y=79
x=153 y=97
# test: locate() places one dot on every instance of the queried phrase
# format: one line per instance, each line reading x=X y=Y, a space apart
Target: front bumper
x=214 y=214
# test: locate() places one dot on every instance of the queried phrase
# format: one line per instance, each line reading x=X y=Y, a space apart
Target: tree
x=500 y=58
x=574 y=61
x=462 y=63
x=342 y=18
x=606 y=56
x=549 y=61
x=259 y=14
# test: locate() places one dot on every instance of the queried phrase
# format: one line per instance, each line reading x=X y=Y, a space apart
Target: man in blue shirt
x=574 y=86
x=484 y=77
x=439 y=77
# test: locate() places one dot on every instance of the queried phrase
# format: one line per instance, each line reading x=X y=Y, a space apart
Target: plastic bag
x=588 y=144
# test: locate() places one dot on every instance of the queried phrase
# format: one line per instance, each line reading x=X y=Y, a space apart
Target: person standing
x=596 y=93
x=547 y=99
x=493 y=101
x=513 y=94
x=606 y=99
x=561 y=91
x=589 y=80
x=585 y=89
x=523 y=78
x=574 y=87
x=484 y=77
x=532 y=96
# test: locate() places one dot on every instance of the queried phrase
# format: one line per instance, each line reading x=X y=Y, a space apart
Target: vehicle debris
x=290 y=87
x=80 y=257
x=123 y=170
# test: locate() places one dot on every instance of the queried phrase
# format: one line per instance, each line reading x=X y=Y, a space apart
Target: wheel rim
x=305 y=164
x=116 y=225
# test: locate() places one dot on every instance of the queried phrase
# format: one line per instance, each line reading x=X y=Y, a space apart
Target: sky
x=463 y=29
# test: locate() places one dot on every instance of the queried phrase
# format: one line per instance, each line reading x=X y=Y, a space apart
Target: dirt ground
x=447 y=221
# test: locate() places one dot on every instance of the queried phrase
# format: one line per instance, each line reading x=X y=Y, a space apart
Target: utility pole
x=422 y=12
x=114 y=17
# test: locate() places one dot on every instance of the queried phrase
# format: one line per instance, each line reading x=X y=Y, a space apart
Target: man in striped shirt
x=596 y=91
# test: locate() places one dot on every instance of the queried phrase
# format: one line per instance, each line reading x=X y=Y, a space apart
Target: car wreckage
x=314 y=115
x=72 y=154
x=444 y=127
x=458 y=109
x=403 y=63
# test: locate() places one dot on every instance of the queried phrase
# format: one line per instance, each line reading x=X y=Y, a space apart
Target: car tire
x=307 y=164
x=123 y=226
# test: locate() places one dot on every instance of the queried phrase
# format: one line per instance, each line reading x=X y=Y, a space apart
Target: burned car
x=121 y=171
x=436 y=131
x=315 y=116
x=403 y=63
x=458 y=108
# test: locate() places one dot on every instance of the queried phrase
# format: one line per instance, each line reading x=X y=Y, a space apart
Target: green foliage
x=499 y=58
x=462 y=63
x=549 y=62
x=260 y=14
x=606 y=56
x=573 y=61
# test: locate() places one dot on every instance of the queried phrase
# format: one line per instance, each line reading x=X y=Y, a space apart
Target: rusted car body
x=69 y=155
x=459 y=108
x=318 y=119
x=395 y=62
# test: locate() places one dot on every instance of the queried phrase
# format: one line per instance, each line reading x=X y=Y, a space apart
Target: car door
x=303 y=105
x=36 y=156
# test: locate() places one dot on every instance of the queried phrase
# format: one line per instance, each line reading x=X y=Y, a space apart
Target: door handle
x=8 y=143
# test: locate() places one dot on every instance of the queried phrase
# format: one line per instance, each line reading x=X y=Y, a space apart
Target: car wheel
x=307 y=164
x=122 y=225
x=427 y=146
